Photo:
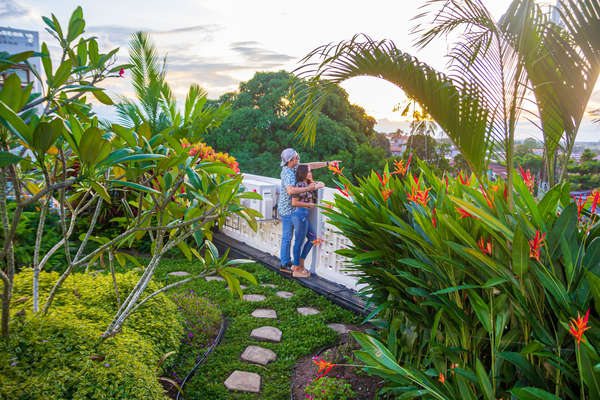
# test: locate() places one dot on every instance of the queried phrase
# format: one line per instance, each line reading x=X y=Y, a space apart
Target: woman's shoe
x=298 y=272
x=287 y=268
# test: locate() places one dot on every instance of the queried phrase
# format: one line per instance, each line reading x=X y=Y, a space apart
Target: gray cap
x=287 y=155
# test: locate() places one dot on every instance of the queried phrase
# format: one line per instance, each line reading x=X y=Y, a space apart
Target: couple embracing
x=298 y=195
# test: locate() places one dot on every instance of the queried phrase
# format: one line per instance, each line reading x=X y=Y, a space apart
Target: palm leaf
x=456 y=105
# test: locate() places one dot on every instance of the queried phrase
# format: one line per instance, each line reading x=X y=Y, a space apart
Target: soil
x=365 y=386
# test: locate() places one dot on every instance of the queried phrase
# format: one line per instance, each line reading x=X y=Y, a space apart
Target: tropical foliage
x=475 y=301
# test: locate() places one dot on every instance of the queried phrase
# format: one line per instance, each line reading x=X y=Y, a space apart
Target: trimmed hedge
x=61 y=356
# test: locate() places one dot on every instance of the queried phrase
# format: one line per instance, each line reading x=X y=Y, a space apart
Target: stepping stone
x=243 y=381
x=254 y=297
x=285 y=295
x=258 y=355
x=307 y=311
x=267 y=333
x=214 y=278
x=243 y=287
x=179 y=273
x=264 y=313
x=269 y=285
x=339 y=328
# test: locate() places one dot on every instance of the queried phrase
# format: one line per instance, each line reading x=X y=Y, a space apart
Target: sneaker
x=287 y=268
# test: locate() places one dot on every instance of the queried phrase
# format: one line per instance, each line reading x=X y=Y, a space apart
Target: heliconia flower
x=383 y=180
x=121 y=73
x=324 y=367
x=400 y=167
x=595 y=200
x=345 y=191
x=463 y=179
x=433 y=218
x=489 y=202
x=528 y=178
x=535 y=244
x=452 y=366
x=442 y=378
x=485 y=247
x=386 y=194
x=317 y=242
x=417 y=195
x=463 y=213
x=333 y=167
x=578 y=326
x=580 y=204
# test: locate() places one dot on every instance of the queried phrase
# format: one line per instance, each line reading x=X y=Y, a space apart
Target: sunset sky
x=218 y=44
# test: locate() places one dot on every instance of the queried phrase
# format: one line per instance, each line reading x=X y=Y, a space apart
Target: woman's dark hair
x=301 y=172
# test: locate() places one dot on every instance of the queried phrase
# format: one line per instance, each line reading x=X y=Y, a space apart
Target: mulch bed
x=365 y=386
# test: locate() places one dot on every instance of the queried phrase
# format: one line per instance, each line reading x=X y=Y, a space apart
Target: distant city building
x=14 y=41
x=398 y=144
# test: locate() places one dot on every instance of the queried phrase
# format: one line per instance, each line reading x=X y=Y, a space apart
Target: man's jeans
x=305 y=234
x=287 y=230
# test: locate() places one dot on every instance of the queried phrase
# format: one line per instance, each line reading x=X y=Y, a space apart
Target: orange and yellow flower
x=383 y=180
x=417 y=195
x=442 y=378
x=578 y=326
x=485 y=247
x=535 y=244
x=324 y=367
x=317 y=242
x=528 y=178
x=400 y=167
x=345 y=191
x=386 y=194
x=464 y=179
x=334 y=167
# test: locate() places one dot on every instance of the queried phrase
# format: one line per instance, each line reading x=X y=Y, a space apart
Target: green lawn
x=301 y=335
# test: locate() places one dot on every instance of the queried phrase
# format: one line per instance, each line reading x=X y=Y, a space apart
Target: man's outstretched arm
x=320 y=164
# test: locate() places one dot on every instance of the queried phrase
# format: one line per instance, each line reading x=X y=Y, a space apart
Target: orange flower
x=535 y=244
x=400 y=167
x=324 y=367
x=442 y=378
x=580 y=204
x=317 y=242
x=333 y=167
x=385 y=179
x=486 y=248
x=595 y=200
x=528 y=178
x=463 y=179
x=463 y=213
x=345 y=191
x=578 y=326
x=386 y=194
x=433 y=218
x=452 y=366
x=419 y=196
x=487 y=199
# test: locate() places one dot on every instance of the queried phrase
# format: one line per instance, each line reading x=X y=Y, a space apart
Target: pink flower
x=121 y=73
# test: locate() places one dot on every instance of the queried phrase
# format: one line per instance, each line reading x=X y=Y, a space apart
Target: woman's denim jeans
x=287 y=229
x=304 y=232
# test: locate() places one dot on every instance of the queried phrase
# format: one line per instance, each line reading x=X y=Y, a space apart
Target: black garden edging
x=224 y=324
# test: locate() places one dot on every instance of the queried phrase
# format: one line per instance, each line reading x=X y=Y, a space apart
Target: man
x=289 y=161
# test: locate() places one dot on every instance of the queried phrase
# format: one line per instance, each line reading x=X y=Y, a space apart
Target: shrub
x=329 y=389
x=61 y=355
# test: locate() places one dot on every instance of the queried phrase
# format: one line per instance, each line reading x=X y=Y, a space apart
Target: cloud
x=118 y=35
x=255 y=53
x=12 y=9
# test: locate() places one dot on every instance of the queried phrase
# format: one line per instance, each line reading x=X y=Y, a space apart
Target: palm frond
x=457 y=105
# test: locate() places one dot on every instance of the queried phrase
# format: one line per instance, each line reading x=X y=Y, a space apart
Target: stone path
x=249 y=381
x=178 y=273
x=214 y=278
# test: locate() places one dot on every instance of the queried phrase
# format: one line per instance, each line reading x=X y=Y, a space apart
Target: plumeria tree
x=55 y=151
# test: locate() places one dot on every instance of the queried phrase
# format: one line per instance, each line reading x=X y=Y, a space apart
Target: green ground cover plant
x=301 y=335
x=62 y=355
x=329 y=389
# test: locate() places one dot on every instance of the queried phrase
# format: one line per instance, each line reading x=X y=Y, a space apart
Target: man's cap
x=287 y=155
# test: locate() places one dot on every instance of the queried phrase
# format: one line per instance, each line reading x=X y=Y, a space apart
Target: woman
x=303 y=231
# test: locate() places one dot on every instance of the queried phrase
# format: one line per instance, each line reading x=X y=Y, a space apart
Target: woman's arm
x=297 y=203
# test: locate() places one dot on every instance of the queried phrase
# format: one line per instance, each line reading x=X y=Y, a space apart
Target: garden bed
x=364 y=386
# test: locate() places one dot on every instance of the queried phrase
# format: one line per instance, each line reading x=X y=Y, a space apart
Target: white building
x=14 y=41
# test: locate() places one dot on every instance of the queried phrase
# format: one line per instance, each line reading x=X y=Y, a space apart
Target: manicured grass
x=301 y=335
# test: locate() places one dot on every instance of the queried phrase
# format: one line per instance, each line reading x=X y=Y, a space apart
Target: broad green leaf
x=185 y=250
x=484 y=380
x=46 y=61
x=93 y=52
x=101 y=190
x=62 y=73
x=7 y=158
x=45 y=135
x=520 y=253
x=17 y=125
x=243 y=274
x=102 y=97
x=531 y=393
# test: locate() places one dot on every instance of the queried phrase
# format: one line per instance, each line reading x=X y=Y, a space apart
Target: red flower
x=595 y=200
x=324 y=367
x=333 y=167
x=121 y=73
x=433 y=218
x=385 y=179
x=535 y=244
x=452 y=366
x=578 y=326
x=464 y=180
x=442 y=378
x=400 y=167
x=417 y=195
x=528 y=178
x=317 y=242
x=345 y=191
x=486 y=248
x=580 y=204
x=463 y=213
x=386 y=194
x=489 y=202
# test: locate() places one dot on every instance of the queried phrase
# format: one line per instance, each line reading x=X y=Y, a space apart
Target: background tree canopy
x=257 y=130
